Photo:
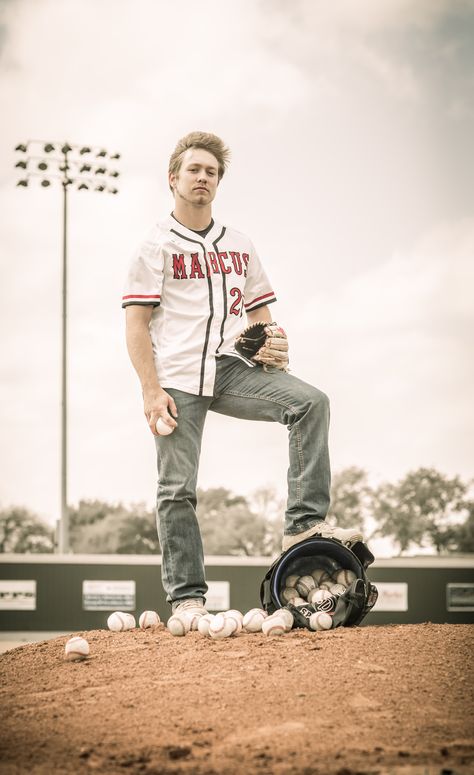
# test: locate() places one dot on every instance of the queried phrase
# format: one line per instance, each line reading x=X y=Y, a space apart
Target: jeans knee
x=318 y=400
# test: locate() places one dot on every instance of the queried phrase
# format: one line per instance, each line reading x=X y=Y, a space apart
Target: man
x=188 y=288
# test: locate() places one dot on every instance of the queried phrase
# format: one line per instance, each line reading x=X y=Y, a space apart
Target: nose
x=202 y=177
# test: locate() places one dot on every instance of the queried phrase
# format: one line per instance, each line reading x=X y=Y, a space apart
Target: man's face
x=197 y=180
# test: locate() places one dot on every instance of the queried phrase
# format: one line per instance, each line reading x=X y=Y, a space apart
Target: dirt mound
x=396 y=699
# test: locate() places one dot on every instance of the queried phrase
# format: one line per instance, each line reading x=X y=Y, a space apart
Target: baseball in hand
x=162 y=428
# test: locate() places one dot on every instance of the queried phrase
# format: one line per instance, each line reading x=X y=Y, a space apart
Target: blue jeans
x=249 y=394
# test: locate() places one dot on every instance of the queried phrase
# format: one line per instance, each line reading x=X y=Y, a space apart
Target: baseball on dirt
x=320 y=621
x=76 y=648
x=222 y=627
x=119 y=621
x=287 y=616
x=204 y=624
x=274 y=625
x=253 y=620
x=162 y=427
x=345 y=577
x=237 y=617
x=179 y=624
x=148 y=619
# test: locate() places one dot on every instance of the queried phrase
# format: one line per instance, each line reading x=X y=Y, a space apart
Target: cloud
x=392 y=347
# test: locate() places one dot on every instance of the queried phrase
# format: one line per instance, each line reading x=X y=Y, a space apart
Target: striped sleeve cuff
x=260 y=301
x=141 y=299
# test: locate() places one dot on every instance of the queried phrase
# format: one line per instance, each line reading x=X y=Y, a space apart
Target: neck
x=196 y=218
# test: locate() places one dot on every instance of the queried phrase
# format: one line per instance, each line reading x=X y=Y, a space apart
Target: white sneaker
x=345 y=536
x=192 y=605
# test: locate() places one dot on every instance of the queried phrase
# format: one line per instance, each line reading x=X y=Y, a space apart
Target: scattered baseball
x=222 y=627
x=337 y=589
x=253 y=620
x=163 y=428
x=345 y=577
x=204 y=624
x=76 y=648
x=320 y=621
x=179 y=624
x=304 y=585
x=148 y=619
x=119 y=621
x=290 y=581
x=274 y=625
x=287 y=616
x=237 y=617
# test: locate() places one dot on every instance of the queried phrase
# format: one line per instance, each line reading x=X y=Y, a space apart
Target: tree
x=351 y=498
x=229 y=525
x=97 y=527
x=423 y=506
x=21 y=531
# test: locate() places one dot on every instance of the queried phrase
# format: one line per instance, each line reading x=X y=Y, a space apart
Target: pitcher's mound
x=396 y=699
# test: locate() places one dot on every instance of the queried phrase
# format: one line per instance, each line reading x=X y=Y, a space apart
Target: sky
x=350 y=126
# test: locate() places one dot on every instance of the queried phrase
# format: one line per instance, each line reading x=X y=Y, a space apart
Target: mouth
x=200 y=188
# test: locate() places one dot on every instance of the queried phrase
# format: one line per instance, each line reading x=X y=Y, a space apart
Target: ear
x=171 y=179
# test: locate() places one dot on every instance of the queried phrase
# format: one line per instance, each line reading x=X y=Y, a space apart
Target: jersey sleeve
x=258 y=291
x=144 y=281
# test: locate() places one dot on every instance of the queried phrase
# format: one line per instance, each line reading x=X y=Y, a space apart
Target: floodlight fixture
x=48 y=148
x=102 y=153
x=85 y=149
x=85 y=168
x=113 y=190
x=22 y=183
x=114 y=174
x=22 y=164
x=21 y=147
x=100 y=170
x=100 y=188
x=115 y=156
x=42 y=165
x=45 y=183
x=83 y=187
x=66 y=148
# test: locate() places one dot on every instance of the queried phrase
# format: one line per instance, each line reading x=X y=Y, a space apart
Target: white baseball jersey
x=199 y=288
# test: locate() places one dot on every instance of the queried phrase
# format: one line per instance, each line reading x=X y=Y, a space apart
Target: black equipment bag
x=348 y=609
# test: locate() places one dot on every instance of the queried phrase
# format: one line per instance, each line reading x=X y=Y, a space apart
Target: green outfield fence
x=77 y=592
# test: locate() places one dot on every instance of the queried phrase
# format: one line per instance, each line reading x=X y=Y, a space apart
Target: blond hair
x=205 y=140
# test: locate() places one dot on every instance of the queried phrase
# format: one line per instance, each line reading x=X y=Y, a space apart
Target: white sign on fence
x=108 y=595
x=218 y=596
x=17 y=595
x=393 y=596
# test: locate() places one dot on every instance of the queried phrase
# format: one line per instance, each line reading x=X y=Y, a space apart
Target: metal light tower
x=82 y=167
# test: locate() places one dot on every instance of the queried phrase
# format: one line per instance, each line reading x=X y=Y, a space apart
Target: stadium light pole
x=82 y=167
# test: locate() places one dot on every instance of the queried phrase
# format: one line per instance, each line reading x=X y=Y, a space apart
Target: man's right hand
x=159 y=403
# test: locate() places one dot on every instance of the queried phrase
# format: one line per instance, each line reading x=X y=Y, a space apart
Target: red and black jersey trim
x=211 y=307
x=141 y=299
x=260 y=301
